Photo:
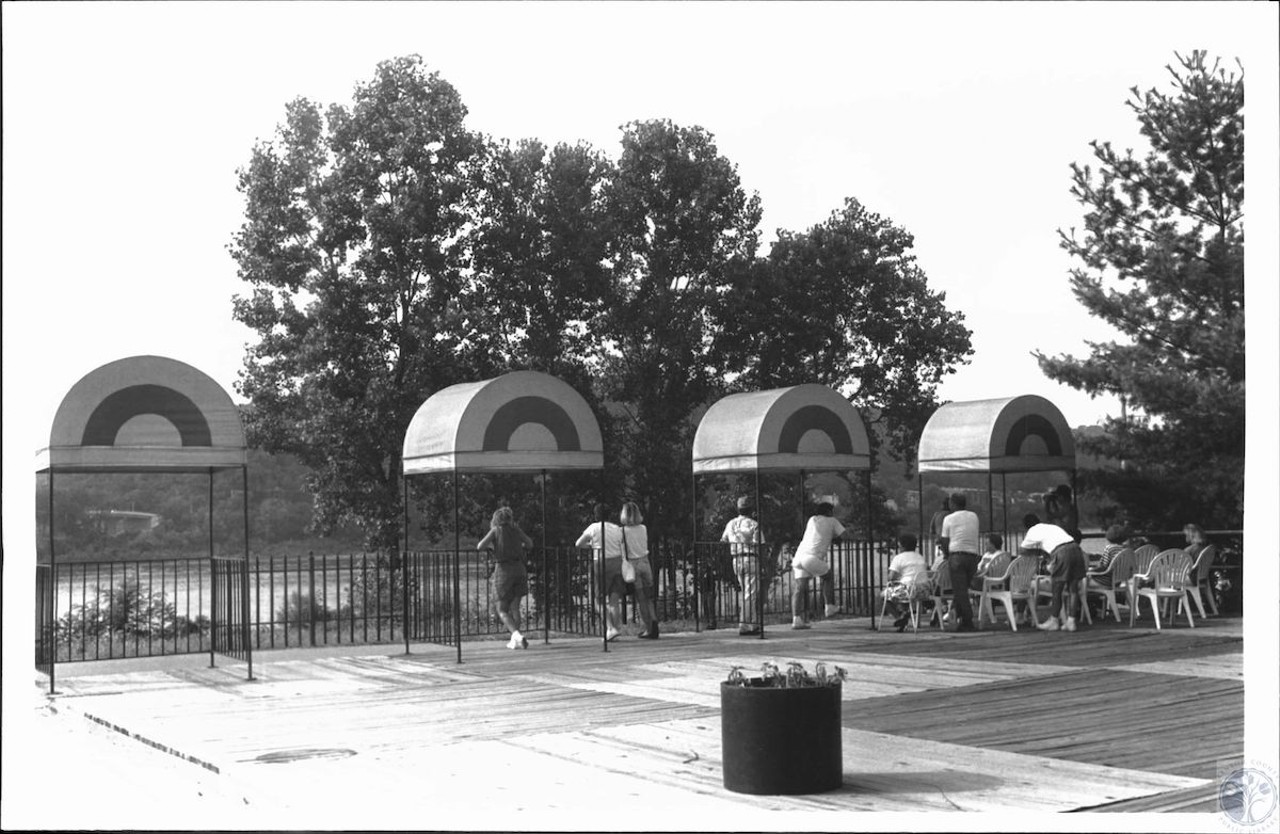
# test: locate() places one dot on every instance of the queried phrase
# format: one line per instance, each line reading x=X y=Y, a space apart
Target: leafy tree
x=1163 y=262
x=844 y=304
x=542 y=240
x=354 y=245
x=684 y=225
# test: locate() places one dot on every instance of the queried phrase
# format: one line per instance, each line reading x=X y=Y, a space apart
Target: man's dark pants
x=964 y=566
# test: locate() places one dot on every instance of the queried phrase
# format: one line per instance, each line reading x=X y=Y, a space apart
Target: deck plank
x=932 y=721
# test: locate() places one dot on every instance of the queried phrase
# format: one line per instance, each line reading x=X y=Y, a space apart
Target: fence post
x=311 y=590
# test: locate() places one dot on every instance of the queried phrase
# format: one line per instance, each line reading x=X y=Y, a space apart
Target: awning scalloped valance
x=804 y=427
x=144 y=413
x=524 y=421
x=1015 y=434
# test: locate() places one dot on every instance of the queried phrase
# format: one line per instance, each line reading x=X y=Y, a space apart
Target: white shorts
x=807 y=567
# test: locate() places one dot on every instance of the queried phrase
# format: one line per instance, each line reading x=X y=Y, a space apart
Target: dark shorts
x=510 y=582
x=1067 y=563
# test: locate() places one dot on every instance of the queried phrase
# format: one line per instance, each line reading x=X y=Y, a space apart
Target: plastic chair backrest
x=1204 y=562
x=999 y=565
x=1143 y=557
x=941 y=578
x=1123 y=567
x=1021 y=571
x=1171 y=569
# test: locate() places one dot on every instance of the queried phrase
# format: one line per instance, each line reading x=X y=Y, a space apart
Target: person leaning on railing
x=510 y=581
x=635 y=549
x=606 y=538
x=810 y=560
x=744 y=538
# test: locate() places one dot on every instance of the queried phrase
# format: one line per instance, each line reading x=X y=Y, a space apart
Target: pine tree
x=1163 y=263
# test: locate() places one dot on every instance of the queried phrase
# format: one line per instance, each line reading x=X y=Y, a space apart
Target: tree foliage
x=683 y=222
x=351 y=244
x=1162 y=250
x=844 y=304
x=391 y=252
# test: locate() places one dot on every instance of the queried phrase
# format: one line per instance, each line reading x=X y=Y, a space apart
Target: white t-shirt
x=1046 y=537
x=818 y=534
x=612 y=539
x=909 y=565
x=742 y=533
x=636 y=542
x=961 y=531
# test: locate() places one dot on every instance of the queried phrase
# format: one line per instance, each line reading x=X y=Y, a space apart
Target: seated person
x=908 y=581
x=995 y=549
x=1197 y=539
x=1117 y=535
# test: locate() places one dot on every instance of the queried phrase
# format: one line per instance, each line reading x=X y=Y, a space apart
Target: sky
x=124 y=124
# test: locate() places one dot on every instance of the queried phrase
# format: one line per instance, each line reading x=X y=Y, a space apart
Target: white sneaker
x=1050 y=624
x=832 y=610
x=610 y=633
x=513 y=643
x=1071 y=624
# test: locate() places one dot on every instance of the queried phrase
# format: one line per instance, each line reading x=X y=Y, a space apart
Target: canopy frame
x=1020 y=434
x=520 y=422
x=801 y=428
x=144 y=414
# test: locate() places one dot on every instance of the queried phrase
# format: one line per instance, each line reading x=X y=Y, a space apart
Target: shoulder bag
x=628 y=569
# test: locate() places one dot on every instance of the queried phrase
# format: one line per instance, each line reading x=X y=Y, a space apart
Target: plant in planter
x=780 y=732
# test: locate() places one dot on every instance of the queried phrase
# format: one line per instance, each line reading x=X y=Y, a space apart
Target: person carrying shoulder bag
x=635 y=559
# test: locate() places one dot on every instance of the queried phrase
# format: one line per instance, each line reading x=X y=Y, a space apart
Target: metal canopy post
x=760 y=586
x=244 y=579
x=214 y=601
x=604 y=584
x=920 y=501
x=404 y=556
x=546 y=577
x=1004 y=514
x=991 y=503
x=871 y=548
x=51 y=639
x=697 y=574
x=457 y=568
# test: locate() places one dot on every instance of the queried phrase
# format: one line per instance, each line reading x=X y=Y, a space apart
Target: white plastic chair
x=1167 y=579
x=1200 y=588
x=1013 y=585
x=1120 y=570
x=913 y=606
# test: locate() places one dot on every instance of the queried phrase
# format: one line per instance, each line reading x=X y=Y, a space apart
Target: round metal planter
x=780 y=741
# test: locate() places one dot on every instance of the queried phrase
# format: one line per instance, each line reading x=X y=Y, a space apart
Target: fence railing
x=143 y=608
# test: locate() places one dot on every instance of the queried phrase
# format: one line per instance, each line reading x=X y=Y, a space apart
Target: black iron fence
x=140 y=608
x=143 y=608
x=229 y=632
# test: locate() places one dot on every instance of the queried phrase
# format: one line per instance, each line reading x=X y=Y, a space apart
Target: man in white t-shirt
x=1067 y=566
x=614 y=587
x=744 y=538
x=959 y=543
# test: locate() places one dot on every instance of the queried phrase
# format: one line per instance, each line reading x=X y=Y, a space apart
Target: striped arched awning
x=144 y=413
x=525 y=421
x=1016 y=434
x=805 y=427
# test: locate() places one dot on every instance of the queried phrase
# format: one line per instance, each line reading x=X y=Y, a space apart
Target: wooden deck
x=564 y=735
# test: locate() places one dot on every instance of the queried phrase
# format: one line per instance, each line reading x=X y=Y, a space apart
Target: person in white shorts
x=810 y=560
